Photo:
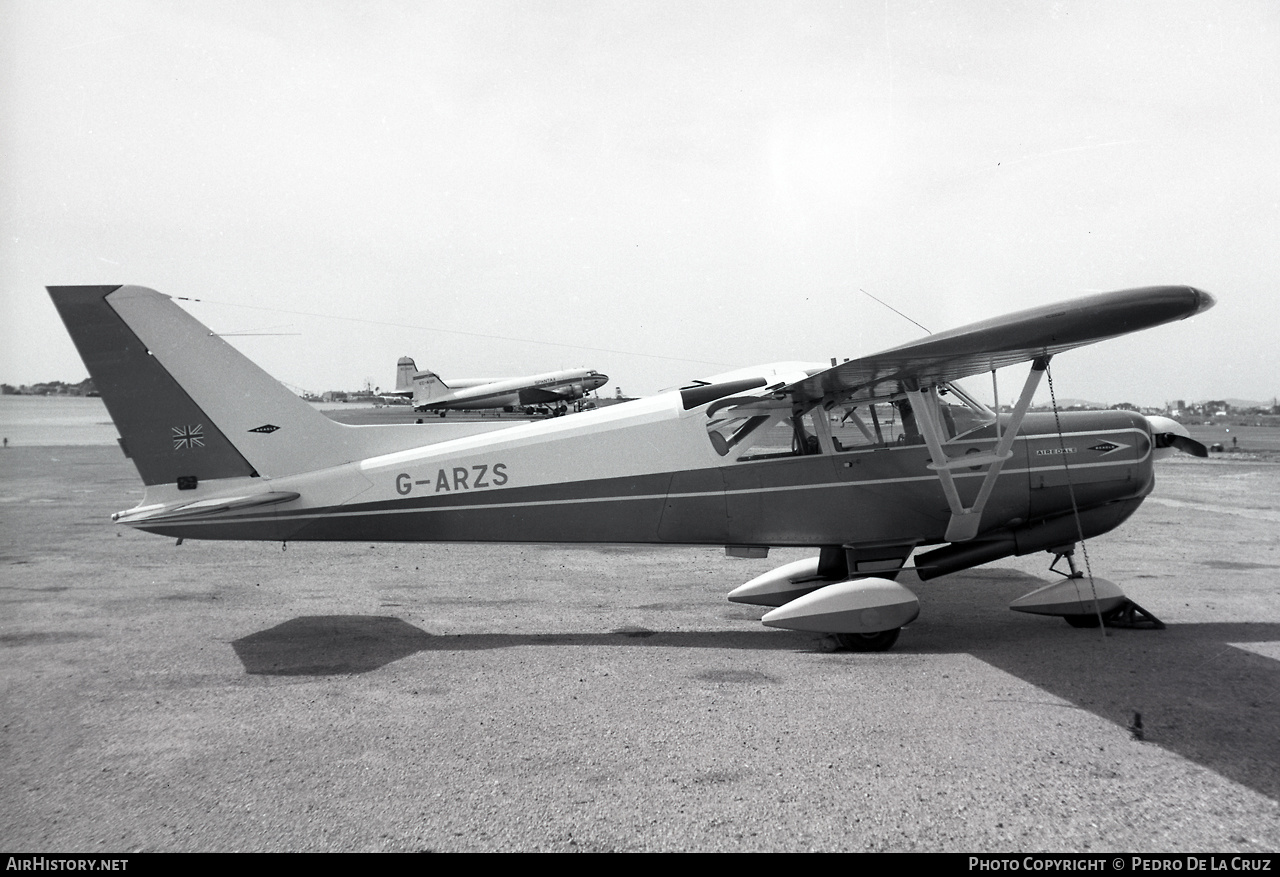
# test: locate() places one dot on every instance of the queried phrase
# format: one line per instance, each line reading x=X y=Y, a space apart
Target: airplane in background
x=867 y=462
x=545 y=393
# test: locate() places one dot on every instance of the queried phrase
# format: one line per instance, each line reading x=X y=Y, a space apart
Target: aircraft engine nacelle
x=861 y=606
x=782 y=585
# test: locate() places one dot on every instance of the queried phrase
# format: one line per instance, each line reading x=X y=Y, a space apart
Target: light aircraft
x=547 y=392
x=866 y=461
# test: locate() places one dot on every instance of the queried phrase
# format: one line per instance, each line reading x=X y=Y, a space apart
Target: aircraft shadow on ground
x=329 y=645
x=1200 y=696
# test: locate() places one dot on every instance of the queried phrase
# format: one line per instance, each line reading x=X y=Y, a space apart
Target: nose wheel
x=1085 y=602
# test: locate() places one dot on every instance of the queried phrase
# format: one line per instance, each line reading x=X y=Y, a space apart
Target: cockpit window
x=967 y=414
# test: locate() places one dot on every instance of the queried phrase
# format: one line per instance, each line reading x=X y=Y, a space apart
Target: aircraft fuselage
x=544 y=389
x=645 y=472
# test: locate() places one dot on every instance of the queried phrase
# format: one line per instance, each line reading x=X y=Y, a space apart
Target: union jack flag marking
x=188 y=437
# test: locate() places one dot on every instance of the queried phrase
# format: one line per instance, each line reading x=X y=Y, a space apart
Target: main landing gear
x=880 y=641
x=545 y=411
x=863 y=615
x=1085 y=601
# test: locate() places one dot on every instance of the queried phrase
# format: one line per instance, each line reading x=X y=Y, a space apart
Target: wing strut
x=965 y=522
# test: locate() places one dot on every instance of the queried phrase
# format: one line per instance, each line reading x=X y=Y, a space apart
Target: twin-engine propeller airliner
x=867 y=461
x=546 y=393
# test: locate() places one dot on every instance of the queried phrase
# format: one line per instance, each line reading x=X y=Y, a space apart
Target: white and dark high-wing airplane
x=867 y=462
x=546 y=392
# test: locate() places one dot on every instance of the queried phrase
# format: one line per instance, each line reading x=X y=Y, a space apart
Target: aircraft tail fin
x=405 y=370
x=428 y=387
x=190 y=407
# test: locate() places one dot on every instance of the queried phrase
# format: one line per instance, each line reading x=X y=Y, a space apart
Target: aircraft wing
x=1003 y=341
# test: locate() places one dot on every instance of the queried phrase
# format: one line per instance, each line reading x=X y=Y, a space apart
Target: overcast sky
x=663 y=190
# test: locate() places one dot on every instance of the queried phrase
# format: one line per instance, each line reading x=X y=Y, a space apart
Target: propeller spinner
x=1169 y=435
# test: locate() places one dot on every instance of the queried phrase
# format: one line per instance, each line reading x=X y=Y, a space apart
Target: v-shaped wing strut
x=965 y=522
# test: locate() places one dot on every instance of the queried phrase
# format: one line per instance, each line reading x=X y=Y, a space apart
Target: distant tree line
x=51 y=388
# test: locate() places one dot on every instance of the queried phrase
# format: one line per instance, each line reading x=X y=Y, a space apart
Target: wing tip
x=1203 y=300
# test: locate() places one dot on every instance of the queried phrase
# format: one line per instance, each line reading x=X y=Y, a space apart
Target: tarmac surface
x=222 y=696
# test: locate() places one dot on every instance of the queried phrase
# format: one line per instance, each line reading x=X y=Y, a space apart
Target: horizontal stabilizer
x=203 y=508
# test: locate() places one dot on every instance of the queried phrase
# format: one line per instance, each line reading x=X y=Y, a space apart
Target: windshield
x=891 y=421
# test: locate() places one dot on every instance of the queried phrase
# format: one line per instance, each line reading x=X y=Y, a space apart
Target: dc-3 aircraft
x=544 y=393
x=866 y=462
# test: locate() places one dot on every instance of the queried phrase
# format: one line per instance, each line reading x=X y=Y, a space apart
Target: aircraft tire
x=881 y=641
x=1082 y=621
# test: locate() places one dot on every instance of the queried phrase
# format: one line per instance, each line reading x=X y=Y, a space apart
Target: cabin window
x=743 y=431
x=874 y=425
x=726 y=435
x=765 y=436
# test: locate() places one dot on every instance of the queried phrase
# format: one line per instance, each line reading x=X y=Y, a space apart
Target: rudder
x=162 y=429
x=188 y=405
